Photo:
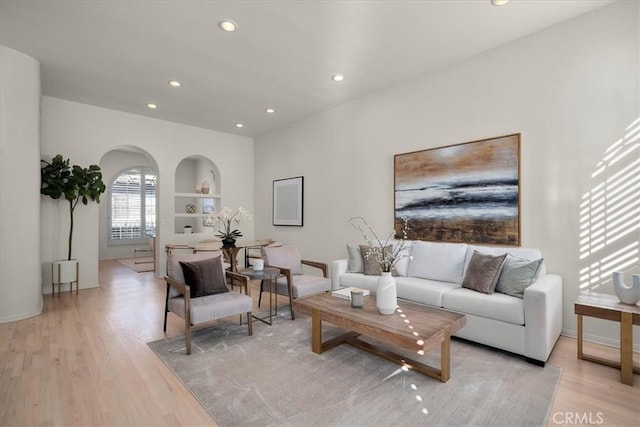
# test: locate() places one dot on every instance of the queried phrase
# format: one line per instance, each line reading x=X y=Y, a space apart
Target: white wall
x=570 y=90
x=85 y=133
x=20 y=278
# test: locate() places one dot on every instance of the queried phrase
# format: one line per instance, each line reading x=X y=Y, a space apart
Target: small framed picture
x=288 y=201
x=208 y=208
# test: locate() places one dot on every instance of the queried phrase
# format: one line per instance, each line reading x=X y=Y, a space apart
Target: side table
x=605 y=306
x=269 y=275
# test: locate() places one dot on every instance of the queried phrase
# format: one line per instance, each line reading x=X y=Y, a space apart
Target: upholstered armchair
x=293 y=282
x=197 y=291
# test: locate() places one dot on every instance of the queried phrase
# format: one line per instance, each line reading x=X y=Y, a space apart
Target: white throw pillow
x=356 y=263
x=443 y=262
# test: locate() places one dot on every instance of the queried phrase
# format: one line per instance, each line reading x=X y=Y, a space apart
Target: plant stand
x=67 y=271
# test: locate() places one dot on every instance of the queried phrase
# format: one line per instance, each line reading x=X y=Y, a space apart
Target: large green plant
x=73 y=183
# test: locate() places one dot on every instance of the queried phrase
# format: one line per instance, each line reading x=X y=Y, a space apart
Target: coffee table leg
x=445 y=359
x=316 y=331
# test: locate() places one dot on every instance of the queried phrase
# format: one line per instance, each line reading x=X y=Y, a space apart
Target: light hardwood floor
x=85 y=361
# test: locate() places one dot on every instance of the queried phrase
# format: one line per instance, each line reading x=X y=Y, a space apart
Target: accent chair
x=197 y=291
x=294 y=283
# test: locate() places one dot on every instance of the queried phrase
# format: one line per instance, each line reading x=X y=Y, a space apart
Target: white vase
x=386 y=294
x=626 y=294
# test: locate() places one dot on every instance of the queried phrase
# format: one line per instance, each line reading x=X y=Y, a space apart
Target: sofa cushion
x=284 y=257
x=518 y=274
x=204 y=277
x=483 y=272
x=526 y=253
x=496 y=306
x=423 y=291
x=442 y=262
x=356 y=263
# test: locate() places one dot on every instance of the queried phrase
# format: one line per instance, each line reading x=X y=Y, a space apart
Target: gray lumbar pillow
x=483 y=272
x=517 y=275
x=356 y=263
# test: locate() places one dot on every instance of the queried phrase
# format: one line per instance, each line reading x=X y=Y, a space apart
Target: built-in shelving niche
x=192 y=205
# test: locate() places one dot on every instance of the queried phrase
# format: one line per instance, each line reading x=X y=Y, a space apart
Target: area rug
x=140 y=264
x=273 y=378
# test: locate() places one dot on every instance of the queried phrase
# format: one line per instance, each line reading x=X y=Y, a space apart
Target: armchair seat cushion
x=212 y=307
x=304 y=285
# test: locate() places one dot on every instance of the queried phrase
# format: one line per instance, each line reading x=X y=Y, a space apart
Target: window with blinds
x=133 y=205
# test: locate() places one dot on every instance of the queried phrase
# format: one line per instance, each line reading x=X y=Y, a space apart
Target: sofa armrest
x=542 y=316
x=338 y=268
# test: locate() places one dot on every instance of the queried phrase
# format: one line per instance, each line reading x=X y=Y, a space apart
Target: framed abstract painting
x=466 y=192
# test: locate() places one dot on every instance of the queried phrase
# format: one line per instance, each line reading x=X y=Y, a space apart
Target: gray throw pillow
x=356 y=263
x=517 y=275
x=204 y=277
x=483 y=272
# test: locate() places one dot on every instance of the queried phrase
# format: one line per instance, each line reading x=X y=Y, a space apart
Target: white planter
x=386 y=294
x=65 y=271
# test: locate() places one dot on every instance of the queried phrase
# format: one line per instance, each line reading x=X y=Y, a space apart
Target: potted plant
x=226 y=217
x=74 y=184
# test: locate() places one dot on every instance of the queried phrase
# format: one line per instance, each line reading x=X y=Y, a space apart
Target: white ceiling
x=121 y=54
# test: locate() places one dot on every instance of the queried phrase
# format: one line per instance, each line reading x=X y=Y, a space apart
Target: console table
x=605 y=306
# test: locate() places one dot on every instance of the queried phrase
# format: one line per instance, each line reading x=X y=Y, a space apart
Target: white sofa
x=433 y=275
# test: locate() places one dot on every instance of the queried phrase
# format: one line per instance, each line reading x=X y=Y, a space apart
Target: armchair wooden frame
x=234 y=279
x=287 y=273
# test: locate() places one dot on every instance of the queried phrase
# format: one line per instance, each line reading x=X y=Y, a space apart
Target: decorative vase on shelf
x=626 y=294
x=228 y=243
x=205 y=187
x=386 y=294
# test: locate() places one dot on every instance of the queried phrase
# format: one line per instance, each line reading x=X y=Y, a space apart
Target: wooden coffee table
x=412 y=327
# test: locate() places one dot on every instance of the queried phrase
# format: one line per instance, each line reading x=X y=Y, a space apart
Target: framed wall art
x=467 y=192
x=288 y=201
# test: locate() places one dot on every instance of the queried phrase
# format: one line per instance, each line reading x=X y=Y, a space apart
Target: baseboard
x=597 y=339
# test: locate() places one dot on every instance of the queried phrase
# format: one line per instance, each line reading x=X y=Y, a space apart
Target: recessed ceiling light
x=174 y=83
x=152 y=105
x=499 y=2
x=337 y=77
x=227 y=25
x=270 y=110
x=239 y=125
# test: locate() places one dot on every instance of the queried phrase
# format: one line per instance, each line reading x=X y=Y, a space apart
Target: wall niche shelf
x=198 y=195
x=191 y=208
